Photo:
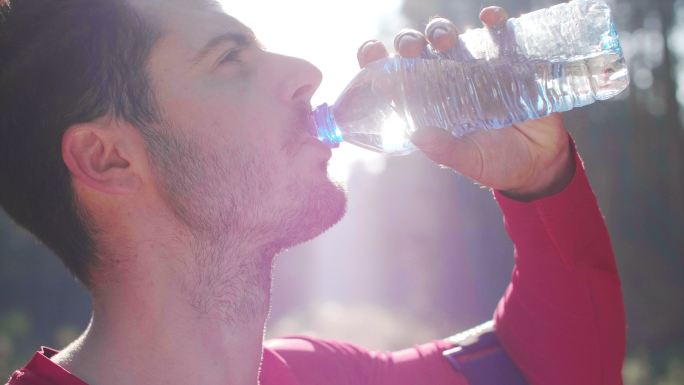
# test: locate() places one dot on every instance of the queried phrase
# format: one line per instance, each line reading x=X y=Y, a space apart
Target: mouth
x=306 y=121
x=320 y=147
x=307 y=129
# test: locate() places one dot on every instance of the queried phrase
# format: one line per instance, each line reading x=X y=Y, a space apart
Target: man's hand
x=526 y=161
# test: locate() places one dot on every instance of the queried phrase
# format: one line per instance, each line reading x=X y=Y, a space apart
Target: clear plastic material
x=551 y=60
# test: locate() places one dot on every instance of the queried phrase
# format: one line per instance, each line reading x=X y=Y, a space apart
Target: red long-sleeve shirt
x=561 y=319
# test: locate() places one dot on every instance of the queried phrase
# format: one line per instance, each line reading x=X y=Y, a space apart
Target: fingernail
x=408 y=37
x=403 y=39
x=367 y=44
x=438 y=32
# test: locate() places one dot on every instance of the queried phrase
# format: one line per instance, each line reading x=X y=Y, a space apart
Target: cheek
x=228 y=114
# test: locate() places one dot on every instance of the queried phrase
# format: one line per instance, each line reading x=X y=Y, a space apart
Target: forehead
x=189 y=22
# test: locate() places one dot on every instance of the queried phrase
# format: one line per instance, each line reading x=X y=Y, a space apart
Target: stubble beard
x=235 y=238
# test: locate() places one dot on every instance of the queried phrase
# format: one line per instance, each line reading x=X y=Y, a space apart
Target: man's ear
x=97 y=155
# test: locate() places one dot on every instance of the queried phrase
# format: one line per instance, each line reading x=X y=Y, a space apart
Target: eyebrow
x=240 y=39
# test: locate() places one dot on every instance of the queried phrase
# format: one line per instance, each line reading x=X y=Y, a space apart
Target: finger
x=493 y=17
x=371 y=51
x=442 y=34
x=460 y=154
x=410 y=43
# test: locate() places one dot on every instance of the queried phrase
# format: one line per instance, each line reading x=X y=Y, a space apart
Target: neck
x=198 y=320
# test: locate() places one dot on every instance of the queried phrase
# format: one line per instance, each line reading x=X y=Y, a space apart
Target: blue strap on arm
x=481 y=359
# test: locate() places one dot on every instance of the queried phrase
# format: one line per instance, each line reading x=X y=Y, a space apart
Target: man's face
x=235 y=155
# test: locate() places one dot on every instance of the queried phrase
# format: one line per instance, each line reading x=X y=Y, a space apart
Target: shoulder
x=24 y=377
x=324 y=361
x=299 y=345
x=40 y=370
x=315 y=360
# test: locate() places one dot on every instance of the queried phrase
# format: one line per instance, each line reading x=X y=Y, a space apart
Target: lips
x=310 y=125
x=320 y=146
x=306 y=128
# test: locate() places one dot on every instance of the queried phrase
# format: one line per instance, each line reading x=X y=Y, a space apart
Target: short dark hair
x=64 y=62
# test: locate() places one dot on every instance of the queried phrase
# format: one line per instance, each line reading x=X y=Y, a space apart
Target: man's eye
x=231 y=56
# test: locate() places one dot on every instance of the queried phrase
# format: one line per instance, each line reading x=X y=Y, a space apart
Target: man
x=167 y=158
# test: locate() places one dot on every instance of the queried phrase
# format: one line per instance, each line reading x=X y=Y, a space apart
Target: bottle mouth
x=327 y=130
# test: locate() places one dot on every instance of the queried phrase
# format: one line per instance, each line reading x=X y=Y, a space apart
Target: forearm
x=562 y=318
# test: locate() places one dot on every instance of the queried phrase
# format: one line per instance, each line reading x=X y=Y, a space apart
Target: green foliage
x=15 y=329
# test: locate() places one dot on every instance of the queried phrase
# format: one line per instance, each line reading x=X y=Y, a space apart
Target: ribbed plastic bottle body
x=546 y=61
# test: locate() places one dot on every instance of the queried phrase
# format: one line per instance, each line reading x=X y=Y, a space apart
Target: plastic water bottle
x=551 y=60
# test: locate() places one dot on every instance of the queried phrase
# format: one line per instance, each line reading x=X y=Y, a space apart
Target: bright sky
x=328 y=34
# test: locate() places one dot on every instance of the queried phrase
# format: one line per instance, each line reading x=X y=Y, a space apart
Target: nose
x=301 y=79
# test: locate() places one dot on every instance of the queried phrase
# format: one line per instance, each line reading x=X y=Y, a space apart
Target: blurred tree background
x=422 y=252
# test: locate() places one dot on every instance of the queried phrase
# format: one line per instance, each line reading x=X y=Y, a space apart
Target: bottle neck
x=327 y=130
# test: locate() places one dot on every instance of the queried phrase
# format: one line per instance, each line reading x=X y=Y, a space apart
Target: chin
x=320 y=208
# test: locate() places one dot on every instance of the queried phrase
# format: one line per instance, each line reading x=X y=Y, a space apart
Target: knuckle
x=366 y=44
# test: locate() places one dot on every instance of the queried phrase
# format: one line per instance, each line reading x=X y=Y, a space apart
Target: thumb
x=460 y=154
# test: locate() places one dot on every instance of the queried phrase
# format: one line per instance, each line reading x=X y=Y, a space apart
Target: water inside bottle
x=551 y=60
x=392 y=137
x=467 y=97
x=381 y=112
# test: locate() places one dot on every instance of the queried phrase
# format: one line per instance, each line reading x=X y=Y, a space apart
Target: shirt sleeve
x=562 y=318
x=315 y=361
